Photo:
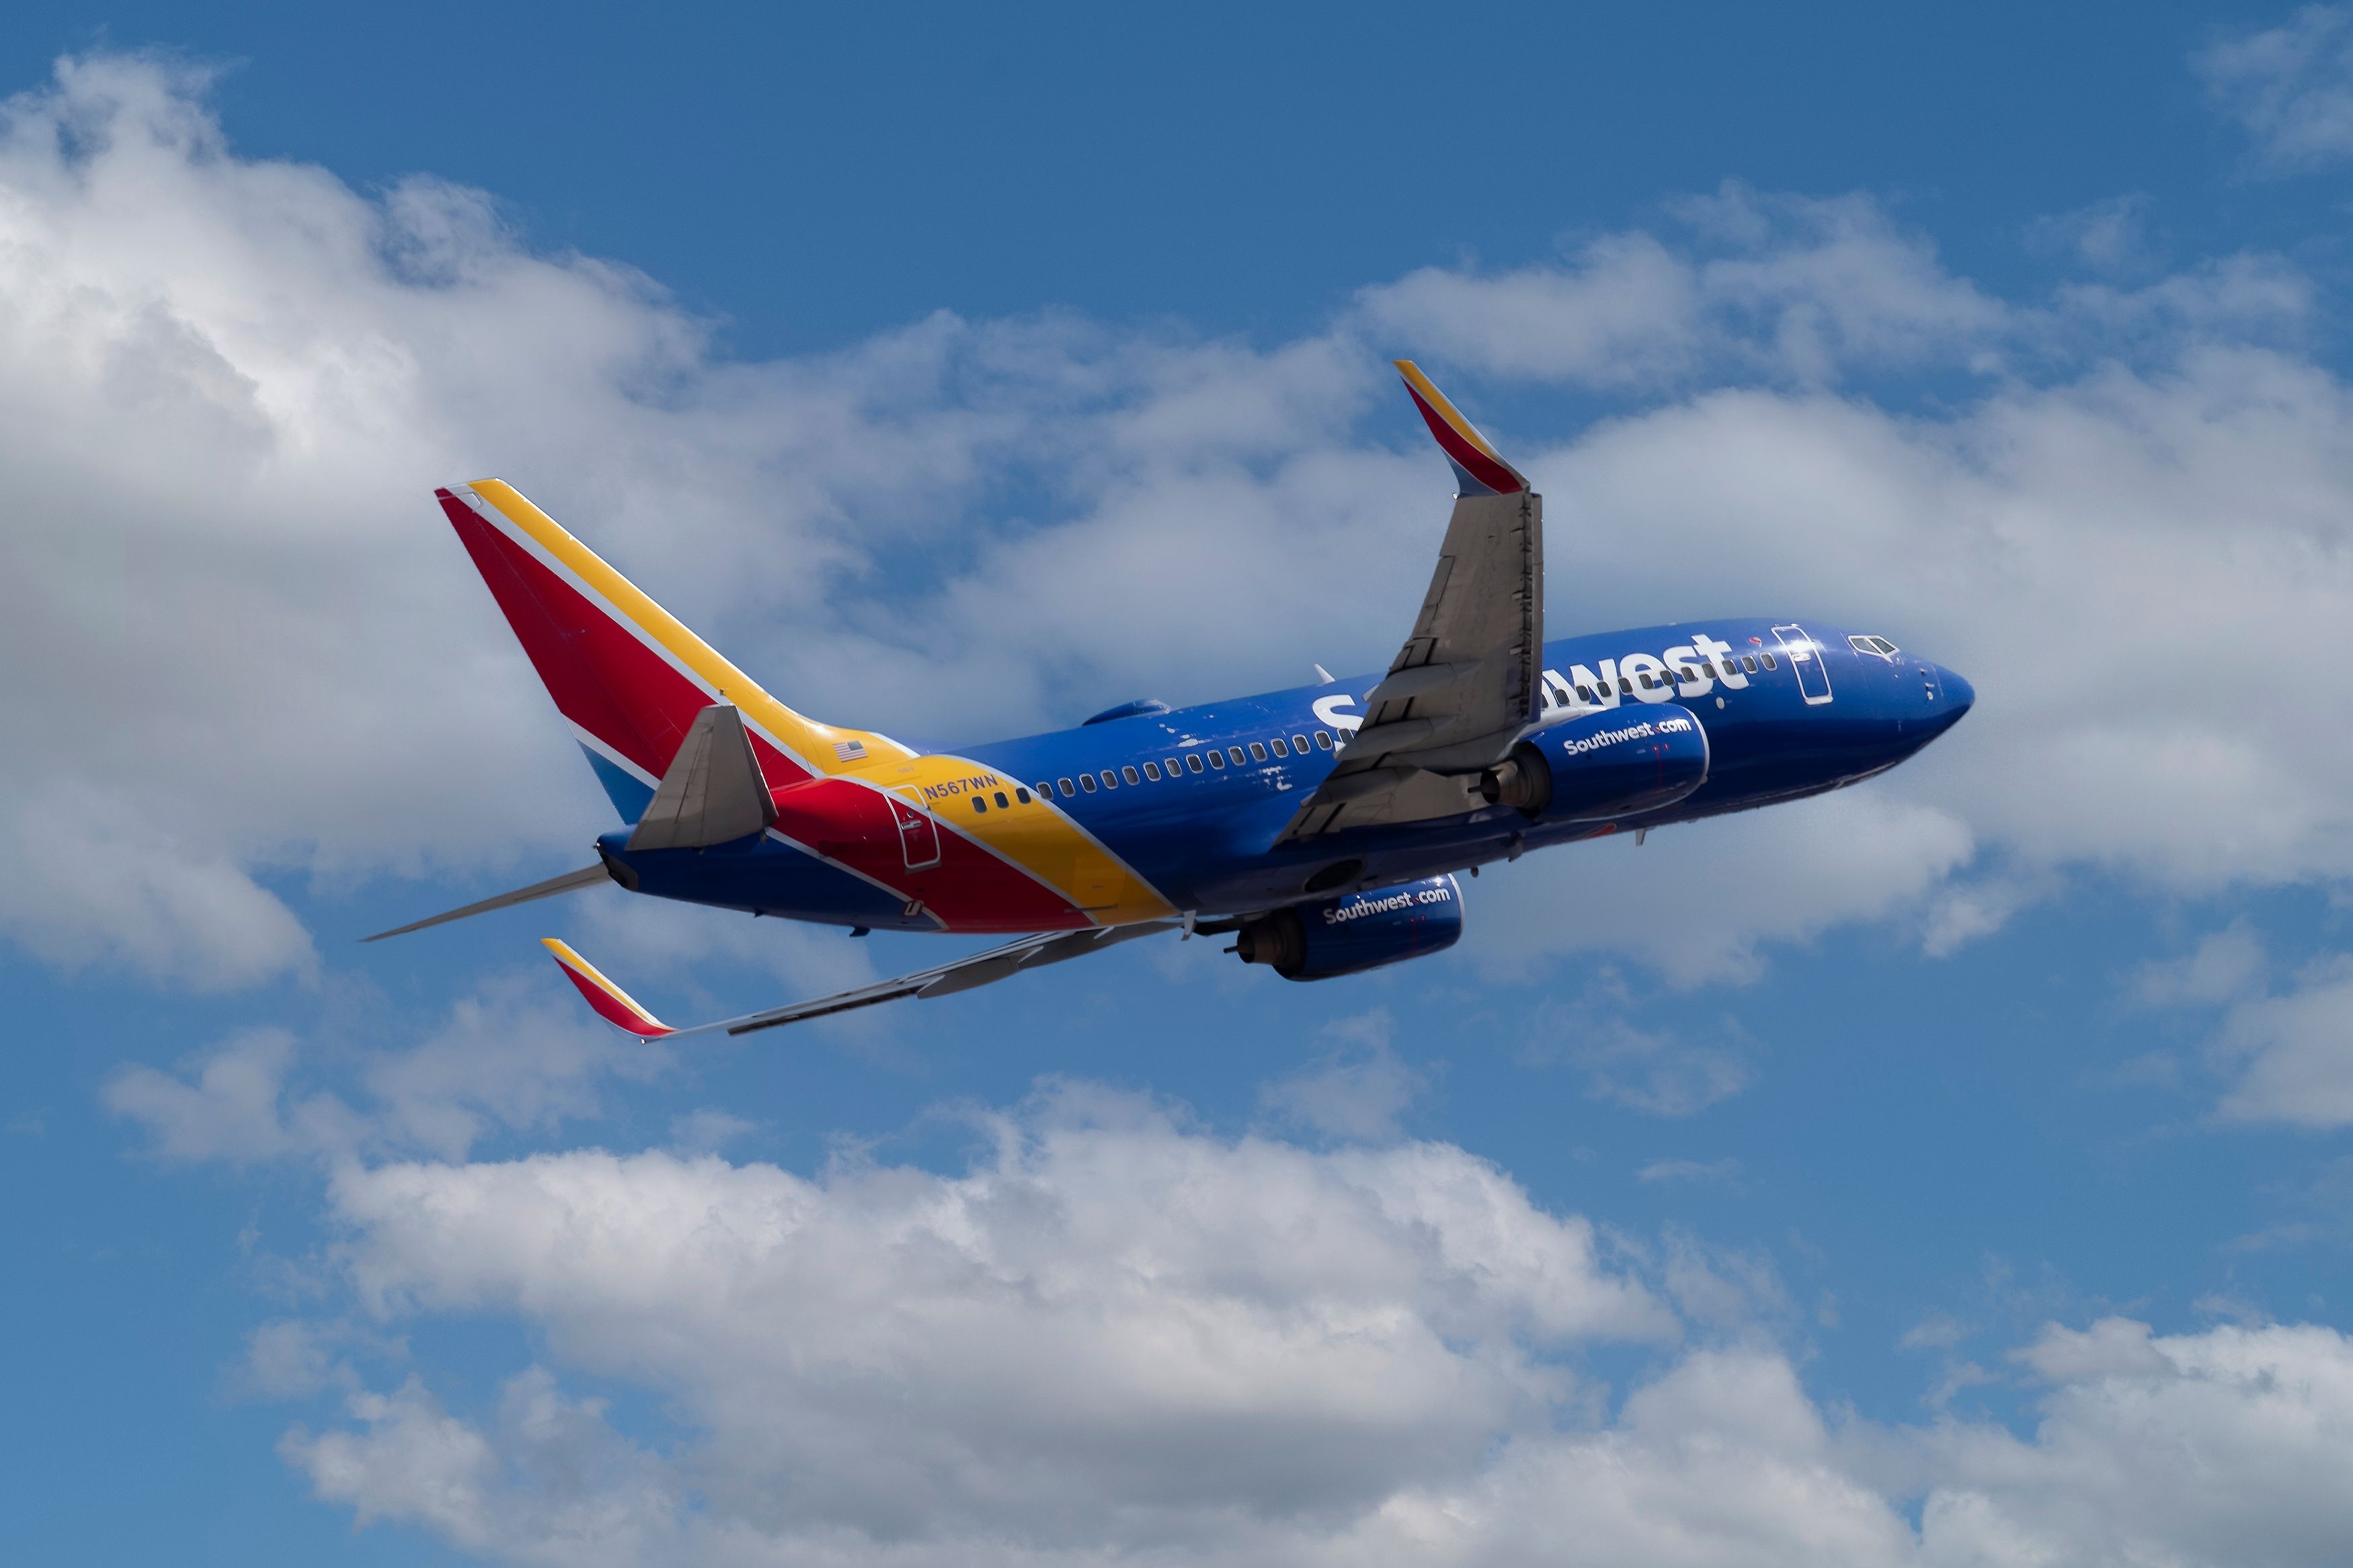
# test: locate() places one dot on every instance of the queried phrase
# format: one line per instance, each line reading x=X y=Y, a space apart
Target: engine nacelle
x=1355 y=932
x=1596 y=767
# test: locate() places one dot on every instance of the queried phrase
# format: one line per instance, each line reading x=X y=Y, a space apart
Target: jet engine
x=1355 y=932
x=1596 y=766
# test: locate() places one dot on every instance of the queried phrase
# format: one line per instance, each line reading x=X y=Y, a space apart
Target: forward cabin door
x=919 y=835
x=1806 y=660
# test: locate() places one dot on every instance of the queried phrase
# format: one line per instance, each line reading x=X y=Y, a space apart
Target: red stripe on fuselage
x=969 y=890
x=601 y=674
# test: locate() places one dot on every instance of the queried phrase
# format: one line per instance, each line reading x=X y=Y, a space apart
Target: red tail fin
x=623 y=671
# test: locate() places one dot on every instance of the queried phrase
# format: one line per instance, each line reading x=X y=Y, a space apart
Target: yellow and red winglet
x=1477 y=464
x=613 y=1004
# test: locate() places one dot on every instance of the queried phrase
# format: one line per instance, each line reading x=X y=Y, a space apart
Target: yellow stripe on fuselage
x=811 y=741
x=1037 y=837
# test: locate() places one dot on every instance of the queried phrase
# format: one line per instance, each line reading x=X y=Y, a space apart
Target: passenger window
x=1176 y=766
x=1585 y=694
x=1278 y=748
x=1001 y=803
x=1111 y=779
x=1067 y=791
x=1299 y=744
x=979 y=807
x=1087 y=782
x=1022 y=795
x=1769 y=661
x=1130 y=774
x=1236 y=753
x=1258 y=752
x=1216 y=759
x=1749 y=662
x=1625 y=687
x=1151 y=771
x=1193 y=761
x=1322 y=740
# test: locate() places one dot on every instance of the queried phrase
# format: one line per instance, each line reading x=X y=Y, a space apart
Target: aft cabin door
x=919 y=835
x=1805 y=658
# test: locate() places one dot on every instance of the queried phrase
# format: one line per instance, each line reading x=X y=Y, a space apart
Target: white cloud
x=1109 y=1323
x=2227 y=1447
x=1355 y=1090
x=1781 y=287
x=2224 y=965
x=2290 y=87
x=2293 y=1054
x=1115 y=1336
x=2122 y=540
x=1698 y=902
x=518 y=1056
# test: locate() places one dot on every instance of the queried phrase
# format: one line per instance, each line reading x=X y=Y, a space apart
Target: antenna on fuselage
x=1323 y=675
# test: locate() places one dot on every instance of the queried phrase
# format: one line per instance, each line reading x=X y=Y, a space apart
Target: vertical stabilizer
x=627 y=677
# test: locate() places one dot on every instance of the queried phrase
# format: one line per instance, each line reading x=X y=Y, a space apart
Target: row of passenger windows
x=1665 y=679
x=1176 y=767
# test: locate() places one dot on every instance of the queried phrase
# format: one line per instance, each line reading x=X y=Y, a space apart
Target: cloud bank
x=1116 y=1335
x=264 y=661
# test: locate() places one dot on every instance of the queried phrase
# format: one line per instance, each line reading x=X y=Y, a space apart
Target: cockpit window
x=1879 y=646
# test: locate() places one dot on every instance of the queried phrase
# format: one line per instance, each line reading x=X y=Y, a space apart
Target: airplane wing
x=1464 y=686
x=615 y=1007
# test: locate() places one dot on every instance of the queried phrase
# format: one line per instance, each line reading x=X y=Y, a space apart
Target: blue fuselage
x=1170 y=799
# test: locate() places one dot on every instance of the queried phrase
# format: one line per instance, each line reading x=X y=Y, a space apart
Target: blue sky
x=1954 y=1171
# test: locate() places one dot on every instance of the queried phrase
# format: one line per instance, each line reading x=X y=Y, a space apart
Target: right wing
x=1464 y=686
x=615 y=1006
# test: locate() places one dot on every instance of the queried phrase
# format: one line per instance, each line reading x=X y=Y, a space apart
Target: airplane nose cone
x=1959 y=695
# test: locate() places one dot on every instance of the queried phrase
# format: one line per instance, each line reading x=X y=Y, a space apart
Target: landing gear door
x=919 y=835
x=1805 y=657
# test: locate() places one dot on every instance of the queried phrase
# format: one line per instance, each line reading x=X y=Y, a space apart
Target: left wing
x=615 y=1007
x=1464 y=686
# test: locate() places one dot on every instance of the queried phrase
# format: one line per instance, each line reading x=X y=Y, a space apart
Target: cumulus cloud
x=1112 y=1334
x=268 y=664
x=1109 y=1323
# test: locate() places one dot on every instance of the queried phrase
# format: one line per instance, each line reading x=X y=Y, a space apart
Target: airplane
x=1325 y=827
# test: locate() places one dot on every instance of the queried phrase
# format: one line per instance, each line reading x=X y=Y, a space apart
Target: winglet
x=612 y=1004
x=1477 y=464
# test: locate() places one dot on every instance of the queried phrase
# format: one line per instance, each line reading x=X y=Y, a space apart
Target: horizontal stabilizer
x=613 y=1004
x=713 y=792
x=571 y=881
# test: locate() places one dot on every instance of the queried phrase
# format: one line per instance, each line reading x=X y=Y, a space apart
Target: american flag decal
x=848 y=750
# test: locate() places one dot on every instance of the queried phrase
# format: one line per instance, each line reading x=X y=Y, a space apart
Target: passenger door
x=1805 y=658
x=919 y=835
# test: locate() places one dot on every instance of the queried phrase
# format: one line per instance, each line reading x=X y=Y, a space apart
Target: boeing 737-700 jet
x=1322 y=827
